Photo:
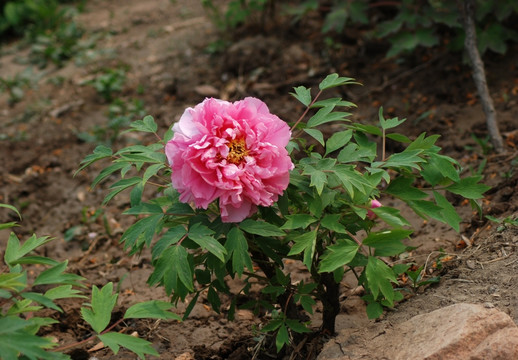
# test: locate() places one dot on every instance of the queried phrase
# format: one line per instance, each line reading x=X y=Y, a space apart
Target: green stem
x=65 y=347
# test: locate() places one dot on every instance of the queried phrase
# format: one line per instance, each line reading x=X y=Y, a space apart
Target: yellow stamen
x=236 y=151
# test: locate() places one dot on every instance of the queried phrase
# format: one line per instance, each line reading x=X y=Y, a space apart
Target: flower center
x=236 y=151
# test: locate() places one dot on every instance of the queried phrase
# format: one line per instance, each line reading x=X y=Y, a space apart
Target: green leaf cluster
x=324 y=219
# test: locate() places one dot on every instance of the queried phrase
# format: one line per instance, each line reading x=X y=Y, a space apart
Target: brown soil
x=163 y=44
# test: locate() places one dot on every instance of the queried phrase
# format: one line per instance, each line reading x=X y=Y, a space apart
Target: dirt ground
x=163 y=45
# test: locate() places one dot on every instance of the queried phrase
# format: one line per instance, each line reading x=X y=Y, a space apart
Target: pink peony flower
x=232 y=151
x=374 y=204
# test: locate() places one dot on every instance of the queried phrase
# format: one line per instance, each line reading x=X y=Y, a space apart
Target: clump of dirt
x=163 y=46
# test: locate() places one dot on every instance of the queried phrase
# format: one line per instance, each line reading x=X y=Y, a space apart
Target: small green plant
x=416 y=276
x=15 y=86
x=22 y=298
x=57 y=46
x=109 y=83
x=237 y=12
x=120 y=115
x=324 y=216
x=503 y=223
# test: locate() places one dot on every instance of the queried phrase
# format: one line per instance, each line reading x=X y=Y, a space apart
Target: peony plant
x=239 y=192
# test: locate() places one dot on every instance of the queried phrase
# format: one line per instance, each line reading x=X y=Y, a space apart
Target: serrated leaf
x=325 y=115
x=305 y=242
x=302 y=94
x=297 y=221
x=260 y=228
x=338 y=140
x=141 y=231
x=374 y=310
x=120 y=186
x=388 y=242
x=106 y=172
x=204 y=237
x=388 y=123
x=296 y=326
x=62 y=292
x=318 y=178
x=237 y=247
x=103 y=302
x=56 y=275
x=14 y=250
x=41 y=299
x=332 y=222
x=13 y=281
x=146 y=125
x=100 y=152
x=282 y=337
x=380 y=278
x=139 y=346
x=408 y=158
x=153 y=309
x=170 y=237
x=450 y=215
x=333 y=80
x=402 y=188
x=391 y=216
x=337 y=255
x=469 y=187
x=316 y=134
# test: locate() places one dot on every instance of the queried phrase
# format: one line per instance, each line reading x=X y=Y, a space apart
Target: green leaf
x=316 y=134
x=339 y=254
x=390 y=123
x=351 y=179
x=332 y=222
x=282 y=337
x=55 y=275
x=62 y=292
x=408 y=158
x=449 y=213
x=120 y=186
x=325 y=115
x=100 y=152
x=469 y=187
x=106 y=172
x=146 y=125
x=388 y=242
x=307 y=303
x=333 y=80
x=318 y=178
x=374 y=310
x=296 y=326
x=14 y=251
x=260 y=228
x=170 y=237
x=402 y=188
x=153 y=309
x=426 y=209
x=391 y=216
x=141 y=231
x=237 y=246
x=445 y=165
x=302 y=94
x=139 y=346
x=204 y=237
x=13 y=281
x=41 y=299
x=179 y=263
x=380 y=278
x=305 y=242
x=10 y=207
x=297 y=221
x=338 y=140
x=103 y=302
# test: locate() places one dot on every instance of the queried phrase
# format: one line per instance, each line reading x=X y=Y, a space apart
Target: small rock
x=471 y=264
x=184 y=356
